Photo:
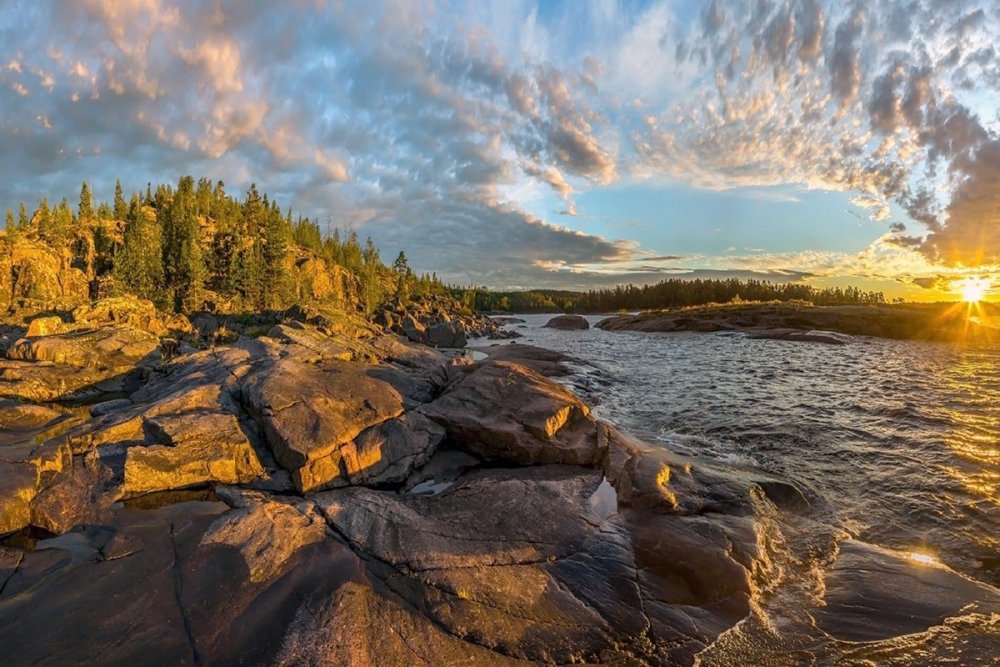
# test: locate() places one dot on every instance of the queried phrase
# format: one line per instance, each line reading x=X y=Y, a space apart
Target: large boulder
x=445 y=334
x=502 y=410
x=311 y=414
x=198 y=448
x=45 y=325
x=568 y=323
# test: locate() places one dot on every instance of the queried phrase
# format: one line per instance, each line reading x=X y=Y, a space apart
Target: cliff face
x=32 y=273
x=313 y=279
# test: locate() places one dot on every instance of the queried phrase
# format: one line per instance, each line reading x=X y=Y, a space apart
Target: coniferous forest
x=193 y=247
x=672 y=293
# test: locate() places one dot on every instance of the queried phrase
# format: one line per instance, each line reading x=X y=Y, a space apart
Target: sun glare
x=972 y=289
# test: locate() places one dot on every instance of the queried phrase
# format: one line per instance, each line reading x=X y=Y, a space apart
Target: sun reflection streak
x=924 y=558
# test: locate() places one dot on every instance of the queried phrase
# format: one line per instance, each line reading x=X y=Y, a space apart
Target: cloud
x=416 y=125
x=845 y=59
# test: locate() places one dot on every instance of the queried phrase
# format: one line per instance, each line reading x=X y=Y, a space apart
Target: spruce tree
x=183 y=266
x=120 y=207
x=138 y=267
x=276 y=236
x=23 y=222
x=371 y=286
x=86 y=209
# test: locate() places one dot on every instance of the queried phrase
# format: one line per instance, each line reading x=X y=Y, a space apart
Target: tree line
x=185 y=246
x=672 y=293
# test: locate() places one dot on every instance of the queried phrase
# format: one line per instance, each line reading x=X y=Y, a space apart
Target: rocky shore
x=327 y=493
x=800 y=321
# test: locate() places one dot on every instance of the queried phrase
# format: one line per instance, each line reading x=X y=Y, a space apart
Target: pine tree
x=10 y=222
x=23 y=222
x=403 y=273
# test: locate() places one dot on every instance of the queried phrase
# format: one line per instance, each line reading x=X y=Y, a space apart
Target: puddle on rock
x=604 y=500
x=430 y=487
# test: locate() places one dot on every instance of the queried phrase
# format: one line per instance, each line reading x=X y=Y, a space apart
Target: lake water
x=896 y=443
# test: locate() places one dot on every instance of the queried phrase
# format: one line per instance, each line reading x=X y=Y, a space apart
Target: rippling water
x=896 y=442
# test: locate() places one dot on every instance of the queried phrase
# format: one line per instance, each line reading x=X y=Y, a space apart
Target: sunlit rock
x=505 y=411
x=197 y=449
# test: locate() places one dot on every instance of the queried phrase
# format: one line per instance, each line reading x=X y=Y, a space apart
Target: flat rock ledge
x=313 y=498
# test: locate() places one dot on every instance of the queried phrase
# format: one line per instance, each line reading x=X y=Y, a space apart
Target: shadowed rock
x=568 y=323
x=872 y=593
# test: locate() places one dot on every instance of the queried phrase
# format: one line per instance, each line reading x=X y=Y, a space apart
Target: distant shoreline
x=956 y=322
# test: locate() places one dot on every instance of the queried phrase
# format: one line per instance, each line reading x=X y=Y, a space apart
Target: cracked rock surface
x=315 y=498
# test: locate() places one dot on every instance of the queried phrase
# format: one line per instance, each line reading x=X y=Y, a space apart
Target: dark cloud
x=810 y=22
x=845 y=58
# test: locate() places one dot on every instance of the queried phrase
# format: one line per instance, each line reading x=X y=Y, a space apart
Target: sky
x=519 y=144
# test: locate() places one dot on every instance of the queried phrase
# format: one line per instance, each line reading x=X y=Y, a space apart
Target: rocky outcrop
x=31 y=273
x=78 y=365
x=873 y=594
x=568 y=323
x=110 y=347
x=438 y=321
x=795 y=335
x=312 y=498
x=132 y=312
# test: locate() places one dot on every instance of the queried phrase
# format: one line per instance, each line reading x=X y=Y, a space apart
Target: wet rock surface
x=315 y=497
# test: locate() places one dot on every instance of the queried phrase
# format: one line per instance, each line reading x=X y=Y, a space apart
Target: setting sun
x=972 y=289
